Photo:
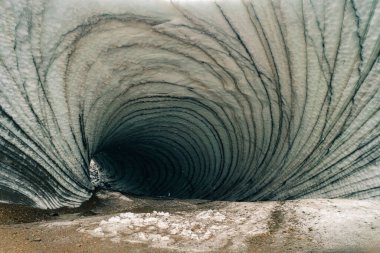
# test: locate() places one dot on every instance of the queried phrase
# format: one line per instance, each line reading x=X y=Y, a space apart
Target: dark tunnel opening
x=161 y=147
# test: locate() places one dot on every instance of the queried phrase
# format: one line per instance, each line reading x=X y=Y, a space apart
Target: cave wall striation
x=229 y=100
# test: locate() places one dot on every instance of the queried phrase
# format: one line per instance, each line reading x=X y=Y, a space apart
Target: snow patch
x=195 y=231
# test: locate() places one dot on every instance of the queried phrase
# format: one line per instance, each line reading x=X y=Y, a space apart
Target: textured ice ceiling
x=229 y=100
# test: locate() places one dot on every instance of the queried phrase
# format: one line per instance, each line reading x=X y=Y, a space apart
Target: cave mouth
x=165 y=147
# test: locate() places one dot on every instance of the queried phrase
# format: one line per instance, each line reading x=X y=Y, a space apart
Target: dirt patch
x=276 y=218
x=17 y=214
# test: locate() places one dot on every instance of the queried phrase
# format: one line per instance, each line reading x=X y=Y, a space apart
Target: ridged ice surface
x=228 y=100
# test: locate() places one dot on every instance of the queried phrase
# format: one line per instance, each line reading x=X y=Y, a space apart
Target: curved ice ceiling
x=230 y=100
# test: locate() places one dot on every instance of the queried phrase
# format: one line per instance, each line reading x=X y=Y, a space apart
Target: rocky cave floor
x=112 y=222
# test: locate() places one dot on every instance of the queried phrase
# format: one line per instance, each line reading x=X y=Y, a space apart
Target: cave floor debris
x=113 y=222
